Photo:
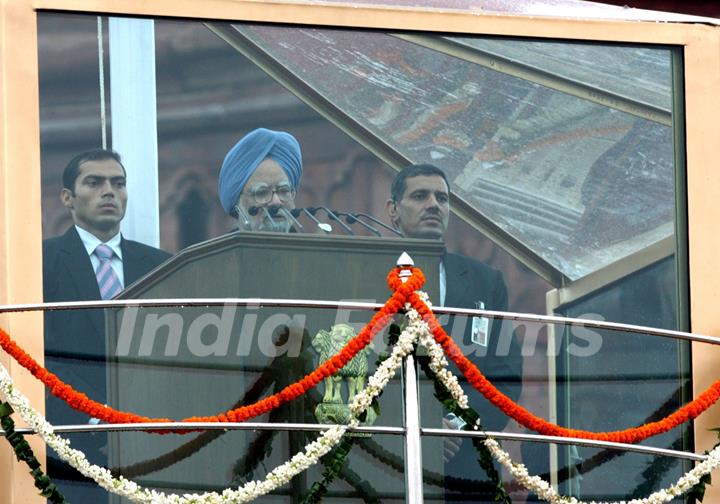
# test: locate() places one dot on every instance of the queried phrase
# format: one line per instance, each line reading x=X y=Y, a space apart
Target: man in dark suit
x=419 y=206
x=91 y=261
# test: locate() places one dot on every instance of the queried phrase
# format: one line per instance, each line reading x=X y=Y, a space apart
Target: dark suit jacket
x=68 y=276
x=469 y=282
x=75 y=342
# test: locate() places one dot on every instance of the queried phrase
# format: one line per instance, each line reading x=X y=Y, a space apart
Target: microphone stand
x=378 y=222
x=334 y=217
x=269 y=215
x=322 y=225
x=242 y=218
x=288 y=214
x=351 y=219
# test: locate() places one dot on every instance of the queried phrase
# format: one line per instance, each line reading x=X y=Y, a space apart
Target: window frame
x=20 y=230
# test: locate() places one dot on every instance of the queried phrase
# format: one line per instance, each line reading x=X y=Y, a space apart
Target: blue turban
x=243 y=159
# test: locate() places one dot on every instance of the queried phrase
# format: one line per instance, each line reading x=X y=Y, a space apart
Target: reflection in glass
x=631 y=379
x=176 y=464
x=579 y=181
x=581 y=184
x=638 y=73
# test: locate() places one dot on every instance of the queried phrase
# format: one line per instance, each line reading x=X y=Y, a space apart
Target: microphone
x=351 y=219
x=289 y=215
x=254 y=210
x=376 y=221
x=322 y=225
x=334 y=217
x=270 y=214
x=242 y=218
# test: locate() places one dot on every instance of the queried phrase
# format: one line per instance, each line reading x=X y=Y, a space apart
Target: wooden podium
x=280 y=265
x=178 y=362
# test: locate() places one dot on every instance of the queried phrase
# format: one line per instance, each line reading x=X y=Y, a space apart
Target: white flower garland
x=416 y=330
x=536 y=484
x=545 y=491
x=251 y=490
x=131 y=490
x=438 y=362
x=377 y=382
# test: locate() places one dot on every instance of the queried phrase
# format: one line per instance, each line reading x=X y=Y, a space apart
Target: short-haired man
x=419 y=204
x=91 y=261
x=259 y=178
x=419 y=207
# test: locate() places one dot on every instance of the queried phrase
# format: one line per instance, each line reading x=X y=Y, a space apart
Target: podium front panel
x=185 y=361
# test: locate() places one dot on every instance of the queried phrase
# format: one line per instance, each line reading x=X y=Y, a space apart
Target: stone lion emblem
x=335 y=404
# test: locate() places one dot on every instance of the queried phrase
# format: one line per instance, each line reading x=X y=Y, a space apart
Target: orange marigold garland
x=403 y=292
x=537 y=424
x=83 y=403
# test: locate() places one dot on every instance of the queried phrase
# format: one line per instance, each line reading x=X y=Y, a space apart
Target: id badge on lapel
x=480 y=325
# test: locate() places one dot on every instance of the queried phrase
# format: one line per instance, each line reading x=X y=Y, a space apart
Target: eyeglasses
x=263 y=193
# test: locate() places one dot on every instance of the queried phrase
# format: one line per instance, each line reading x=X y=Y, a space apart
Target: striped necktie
x=107 y=279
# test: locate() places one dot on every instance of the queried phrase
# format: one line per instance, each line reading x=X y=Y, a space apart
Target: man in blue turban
x=259 y=179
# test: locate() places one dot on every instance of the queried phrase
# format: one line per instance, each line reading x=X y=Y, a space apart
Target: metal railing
x=412 y=431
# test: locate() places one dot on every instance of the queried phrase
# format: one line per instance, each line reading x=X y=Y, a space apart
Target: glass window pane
x=215 y=460
x=582 y=185
x=639 y=73
x=550 y=184
x=644 y=378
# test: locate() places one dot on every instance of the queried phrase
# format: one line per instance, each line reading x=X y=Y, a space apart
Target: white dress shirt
x=91 y=242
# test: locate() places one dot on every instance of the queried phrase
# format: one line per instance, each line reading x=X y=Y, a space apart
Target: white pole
x=134 y=123
x=413 y=451
x=413 y=448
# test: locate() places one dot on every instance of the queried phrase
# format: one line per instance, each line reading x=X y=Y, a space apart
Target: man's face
x=268 y=188
x=98 y=200
x=423 y=209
